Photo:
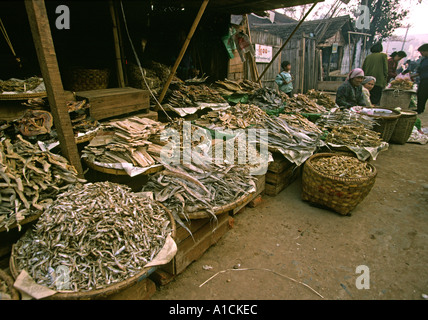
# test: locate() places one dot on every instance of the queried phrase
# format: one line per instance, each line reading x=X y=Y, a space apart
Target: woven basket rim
x=337 y=178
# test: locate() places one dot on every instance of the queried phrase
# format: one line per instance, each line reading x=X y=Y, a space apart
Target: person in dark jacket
x=350 y=93
x=395 y=57
x=376 y=65
x=422 y=72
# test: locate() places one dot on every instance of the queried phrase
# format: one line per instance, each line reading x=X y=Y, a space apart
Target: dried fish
x=342 y=166
x=301 y=103
x=321 y=98
x=25 y=170
x=357 y=136
x=101 y=232
x=401 y=84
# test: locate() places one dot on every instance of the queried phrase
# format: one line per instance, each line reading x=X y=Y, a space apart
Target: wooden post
x=120 y=77
x=302 y=64
x=286 y=41
x=183 y=49
x=253 y=63
x=40 y=29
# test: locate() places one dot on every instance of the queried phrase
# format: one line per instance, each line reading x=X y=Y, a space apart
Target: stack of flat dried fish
x=321 y=98
x=240 y=116
x=202 y=186
x=29 y=179
x=123 y=141
x=299 y=121
x=185 y=96
x=342 y=166
x=268 y=99
x=336 y=117
x=301 y=103
x=34 y=122
x=354 y=136
x=101 y=232
x=81 y=121
x=228 y=87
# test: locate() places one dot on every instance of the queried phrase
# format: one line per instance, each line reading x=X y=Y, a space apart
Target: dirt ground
x=387 y=232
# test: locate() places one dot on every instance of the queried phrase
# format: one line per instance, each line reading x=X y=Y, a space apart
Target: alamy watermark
x=362 y=281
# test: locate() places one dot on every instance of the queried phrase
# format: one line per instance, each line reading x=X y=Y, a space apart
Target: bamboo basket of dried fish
x=81 y=79
x=338 y=193
x=23 y=96
x=404 y=127
x=7 y=291
x=98 y=256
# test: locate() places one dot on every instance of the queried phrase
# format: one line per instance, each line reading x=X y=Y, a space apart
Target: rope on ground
x=262 y=269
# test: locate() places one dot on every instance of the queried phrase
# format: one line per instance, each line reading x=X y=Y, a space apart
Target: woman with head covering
x=368 y=84
x=376 y=65
x=350 y=93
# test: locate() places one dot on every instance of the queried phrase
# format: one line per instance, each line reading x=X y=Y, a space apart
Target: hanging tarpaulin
x=229 y=43
x=243 y=44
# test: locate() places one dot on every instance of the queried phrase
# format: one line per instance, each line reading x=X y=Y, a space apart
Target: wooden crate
x=260 y=188
x=107 y=103
x=281 y=173
x=142 y=290
x=206 y=232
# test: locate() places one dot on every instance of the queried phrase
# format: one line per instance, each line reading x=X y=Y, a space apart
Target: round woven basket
x=81 y=79
x=386 y=124
x=14 y=294
x=98 y=293
x=394 y=98
x=339 y=194
x=404 y=127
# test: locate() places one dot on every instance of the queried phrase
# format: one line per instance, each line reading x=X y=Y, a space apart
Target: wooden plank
x=260 y=187
x=273 y=189
x=279 y=164
x=329 y=85
x=142 y=290
x=117 y=44
x=190 y=249
x=278 y=178
x=40 y=29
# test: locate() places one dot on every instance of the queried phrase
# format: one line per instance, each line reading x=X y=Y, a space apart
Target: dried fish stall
x=103 y=234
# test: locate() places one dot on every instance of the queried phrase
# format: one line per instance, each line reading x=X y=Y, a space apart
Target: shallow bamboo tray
x=23 y=96
x=118 y=172
x=341 y=195
x=31 y=218
x=97 y=293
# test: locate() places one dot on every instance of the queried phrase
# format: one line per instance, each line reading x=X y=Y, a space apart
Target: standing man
x=284 y=80
x=376 y=65
x=422 y=72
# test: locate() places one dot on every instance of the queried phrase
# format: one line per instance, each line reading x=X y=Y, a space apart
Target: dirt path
x=387 y=232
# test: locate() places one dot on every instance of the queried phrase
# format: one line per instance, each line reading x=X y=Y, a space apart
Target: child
x=284 y=80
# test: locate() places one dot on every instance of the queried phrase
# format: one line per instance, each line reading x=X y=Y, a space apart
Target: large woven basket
x=81 y=79
x=339 y=194
x=393 y=98
x=404 y=127
x=14 y=294
x=386 y=124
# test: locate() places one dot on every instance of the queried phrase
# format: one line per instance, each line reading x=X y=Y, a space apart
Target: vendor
x=368 y=84
x=422 y=72
x=350 y=93
x=393 y=64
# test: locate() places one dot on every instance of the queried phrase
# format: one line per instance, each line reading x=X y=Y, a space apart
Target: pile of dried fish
x=268 y=99
x=229 y=87
x=240 y=116
x=337 y=117
x=299 y=121
x=401 y=84
x=123 y=141
x=321 y=98
x=29 y=179
x=101 y=232
x=19 y=85
x=203 y=185
x=356 y=136
x=34 y=122
x=184 y=96
x=296 y=144
x=342 y=166
x=301 y=103
x=81 y=121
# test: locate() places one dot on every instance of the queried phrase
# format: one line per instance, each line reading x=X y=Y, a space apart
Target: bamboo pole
x=183 y=49
x=285 y=43
x=253 y=63
x=120 y=77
